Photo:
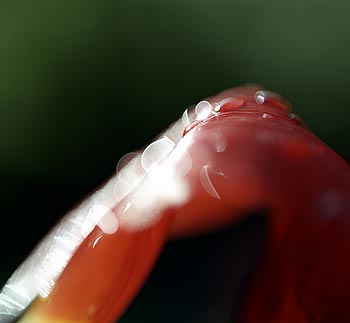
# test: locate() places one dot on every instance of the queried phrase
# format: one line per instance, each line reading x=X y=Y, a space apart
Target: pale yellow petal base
x=32 y=317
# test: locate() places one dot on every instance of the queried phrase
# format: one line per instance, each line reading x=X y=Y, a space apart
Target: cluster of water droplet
x=202 y=111
x=151 y=162
x=145 y=182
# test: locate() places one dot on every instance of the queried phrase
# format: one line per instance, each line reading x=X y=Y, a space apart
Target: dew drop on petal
x=266 y=116
x=96 y=241
x=127 y=206
x=156 y=151
x=230 y=104
x=185 y=119
x=259 y=97
x=87 y=226
x=105 y=218
x=125 y=160
x=220 y=142
x=217 y=107
x=128 y=177
x=203 y=110
x=207 y=184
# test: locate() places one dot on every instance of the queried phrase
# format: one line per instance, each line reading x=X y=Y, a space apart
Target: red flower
x=238 y=152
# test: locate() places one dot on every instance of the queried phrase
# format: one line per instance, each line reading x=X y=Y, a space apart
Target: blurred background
x=84 y=82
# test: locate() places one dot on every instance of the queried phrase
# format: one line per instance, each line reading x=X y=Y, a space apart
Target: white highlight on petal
x=38 y=273
x=163 y=187
x=144 y=186
x=127 y=179
x=181 y=162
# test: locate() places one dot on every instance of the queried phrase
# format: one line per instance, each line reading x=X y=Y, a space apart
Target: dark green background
x=83 y=82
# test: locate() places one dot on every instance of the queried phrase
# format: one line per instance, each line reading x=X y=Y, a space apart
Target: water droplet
x=190 y=127
x=207 y=183
x=185 y=119
x=189 y=116
x=266 y=116
x=217 y=107
x=294 y=117
x=220 y=142
x=230 y=104
x=96 y=241
x=156 y=151
x=87 y=227
x=127 y=206
x=125 y=160
x=272 y=99
x=105 y=218
x=101 y=216
x=259 y=97
x=203 y=110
